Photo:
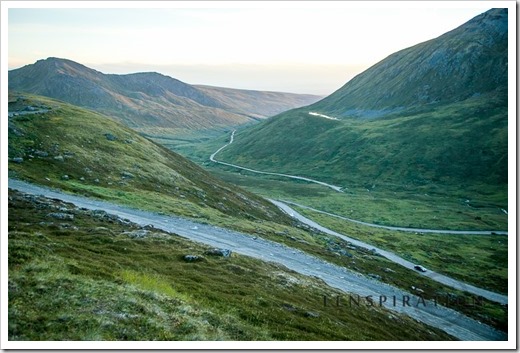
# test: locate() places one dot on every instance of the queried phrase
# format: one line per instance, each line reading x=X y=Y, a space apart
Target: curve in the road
x=453 y=283
x=212 y=158
x=403 y=229
x=452 y=322
x=337 y=188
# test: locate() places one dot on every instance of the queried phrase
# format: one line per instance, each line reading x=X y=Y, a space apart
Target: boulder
x=61 y=215
x=110 y=137
x=126 y=175
x=41 y=153
x=192 y=258
x=312 y=314
x=219 y=252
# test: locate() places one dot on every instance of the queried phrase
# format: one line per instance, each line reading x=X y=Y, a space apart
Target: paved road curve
x=453 y=283
x=450 y=321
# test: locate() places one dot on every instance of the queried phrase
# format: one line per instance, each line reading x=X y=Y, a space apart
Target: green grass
x=129 y=169
x=483 y=255
x=436 y=158
x=89 y=279
x=458 y=256
x=163 y=182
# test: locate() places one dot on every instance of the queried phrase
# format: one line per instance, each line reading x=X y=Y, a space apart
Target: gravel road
x=453 y=283
x=404 y=229
x=450 y=321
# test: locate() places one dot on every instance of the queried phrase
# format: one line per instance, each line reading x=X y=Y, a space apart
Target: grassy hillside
x=95 y=277
x=151 y=103
x=460 y=146
x=59 y=145
x=467 y=61
x=428 y=120
x=81 y=151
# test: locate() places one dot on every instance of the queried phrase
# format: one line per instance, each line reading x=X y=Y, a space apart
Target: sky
x=301 y=47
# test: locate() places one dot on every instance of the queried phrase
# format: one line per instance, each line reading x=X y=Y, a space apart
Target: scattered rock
x=96 y=181
x=39 y=153
x=61 y=215
x=219 y=252
x=192 y=258
x=374 y=276
x=126 y=175
x=288 y=307
x=137 y=234
x=17 y=160
x=388 y=270
x=82 y=179
x=65 y=177
x=59 y=158
x=344 y=253
x=110 y=137
x=311 y=314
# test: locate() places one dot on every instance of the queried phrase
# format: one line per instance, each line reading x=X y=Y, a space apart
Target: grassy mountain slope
x=259 y=104
x=151 y=103
x=82 y=151
x=468 y=61
x=457 y=139
x=94 y=277
x=59 y=145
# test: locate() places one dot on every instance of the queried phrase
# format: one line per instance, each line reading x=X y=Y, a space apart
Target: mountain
x=433 y=114
x=257 y=104
x=468 y=61
x=149 y=102
x=60 y=145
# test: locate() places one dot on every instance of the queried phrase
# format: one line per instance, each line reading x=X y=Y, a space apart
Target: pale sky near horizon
x=292 y=48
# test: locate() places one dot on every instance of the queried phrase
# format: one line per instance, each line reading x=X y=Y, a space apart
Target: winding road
x=446 y=319
x=448 y=281
x=212 y=158
x=404 y=229
x=453 y=283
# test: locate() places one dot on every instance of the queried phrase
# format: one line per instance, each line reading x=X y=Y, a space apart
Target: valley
x=145 y=208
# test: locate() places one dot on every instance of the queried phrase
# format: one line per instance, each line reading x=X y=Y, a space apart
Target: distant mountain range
x=431 y=114
x=151 y=102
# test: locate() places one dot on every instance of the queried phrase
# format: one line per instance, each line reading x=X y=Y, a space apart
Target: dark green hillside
x=60 y=145
x=461 y=144
x=454 y=138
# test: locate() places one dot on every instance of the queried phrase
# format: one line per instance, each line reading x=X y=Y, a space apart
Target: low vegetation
x=105 y=160
x=91 y=276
